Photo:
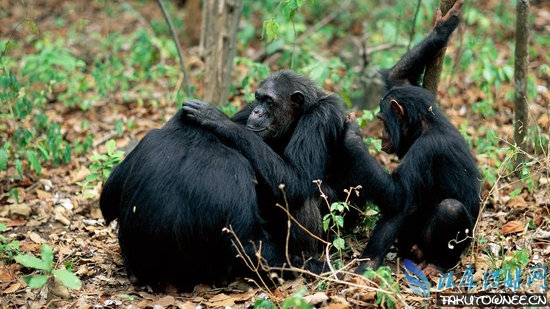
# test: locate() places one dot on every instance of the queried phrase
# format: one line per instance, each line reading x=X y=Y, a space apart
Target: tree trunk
x=520 y=76
x=220 y=21
x=433 y=68
x=193 y=22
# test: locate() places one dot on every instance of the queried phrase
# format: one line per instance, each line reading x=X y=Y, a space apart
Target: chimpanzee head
x=280 y=101
x=407 y=112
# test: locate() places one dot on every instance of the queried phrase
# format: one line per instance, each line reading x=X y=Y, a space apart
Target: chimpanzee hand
x=203 y=113
x=352 y=129
x=445 y=25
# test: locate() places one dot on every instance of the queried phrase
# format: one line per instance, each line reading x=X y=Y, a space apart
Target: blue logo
x=416 y=279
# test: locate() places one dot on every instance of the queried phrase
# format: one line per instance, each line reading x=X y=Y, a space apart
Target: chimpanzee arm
x=411 y=66
x=304 y=159
x=383 y=236
x=379 y=186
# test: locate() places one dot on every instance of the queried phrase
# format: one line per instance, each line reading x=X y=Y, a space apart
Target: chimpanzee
x=430 y=202
x=181 y=185
x=202 y=172
x=292 y=118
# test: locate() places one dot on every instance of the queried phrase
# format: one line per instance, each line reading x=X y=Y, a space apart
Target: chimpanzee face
x=392 y=115
x=275 y=113
x=387 y=142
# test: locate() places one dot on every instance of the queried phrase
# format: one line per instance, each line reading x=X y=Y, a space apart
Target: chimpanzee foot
x=417 y=253
x=431 y=270
x=372 y=263
x=133 y=279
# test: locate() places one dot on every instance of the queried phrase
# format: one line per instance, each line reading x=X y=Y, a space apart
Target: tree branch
x=178 y=47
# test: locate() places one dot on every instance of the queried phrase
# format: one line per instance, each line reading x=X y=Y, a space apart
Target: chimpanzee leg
x=446 y=236
x=384 y=234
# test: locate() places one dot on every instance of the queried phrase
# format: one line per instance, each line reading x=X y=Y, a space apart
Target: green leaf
x=326 y=223
x=515 y=193
x=37 y=281
x=19 y=167
x=263 y=304
x=271 y=30
x=93 y=177
x=32 y=262
x=33 y=160
x=339 y=243
x=522 y=257
x=67 y=278
x=15 y=194
x=33 y=27
x=46 y=253
x=339 y=220
x=3 y=159
x=111 y=147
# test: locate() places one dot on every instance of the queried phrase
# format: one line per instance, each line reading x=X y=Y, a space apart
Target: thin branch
x=411 y=34
x=300 y=225
x=521 y=62
x=187 y=89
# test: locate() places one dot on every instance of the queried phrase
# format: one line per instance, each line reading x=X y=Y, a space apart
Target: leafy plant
x=388 y=287
x=45 y=263
x=35 y=139
x=295 y=301
x=512 y=266
x=334 y=221
x=101 y=167
x=7 y=248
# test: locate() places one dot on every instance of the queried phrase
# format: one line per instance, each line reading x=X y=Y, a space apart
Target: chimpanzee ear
x=297 y=98
x=397 y=109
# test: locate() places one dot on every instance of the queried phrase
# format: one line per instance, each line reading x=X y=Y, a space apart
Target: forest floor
x=51 y=209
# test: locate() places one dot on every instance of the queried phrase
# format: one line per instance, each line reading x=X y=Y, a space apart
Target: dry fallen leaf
x=43 y=195
x=36 y=238
x=6 y=275
x=220 y=300
x=316 y=298
x=517 y=202
x=165 y=301
x=12 y=288
x=512 y=227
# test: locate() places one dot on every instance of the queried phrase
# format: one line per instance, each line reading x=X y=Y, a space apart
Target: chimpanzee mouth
x=255 y=129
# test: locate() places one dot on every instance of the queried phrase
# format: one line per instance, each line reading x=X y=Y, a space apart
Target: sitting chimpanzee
x=182 y=185
x=430 y=202
x=202 y=172
x=288 y=162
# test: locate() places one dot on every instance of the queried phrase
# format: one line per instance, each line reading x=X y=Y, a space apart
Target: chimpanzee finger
x=351 y=125
x=194 y=104
x=453 y=13
x=192 y=108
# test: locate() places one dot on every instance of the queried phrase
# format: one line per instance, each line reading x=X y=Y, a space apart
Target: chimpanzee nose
x=258 y=111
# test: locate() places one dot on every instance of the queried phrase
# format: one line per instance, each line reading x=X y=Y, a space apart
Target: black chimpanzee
x=288 y=162
x=182 y=185
x=430 y=202
x=202 y=172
